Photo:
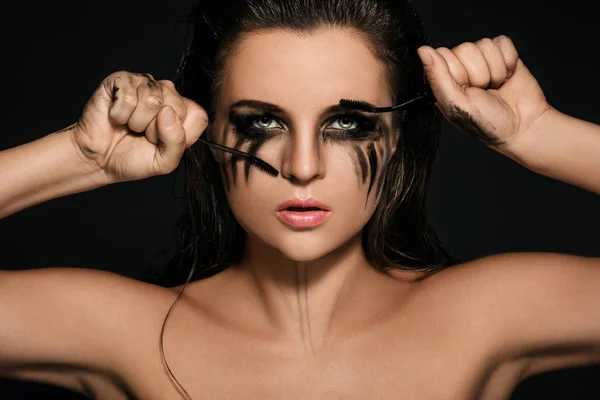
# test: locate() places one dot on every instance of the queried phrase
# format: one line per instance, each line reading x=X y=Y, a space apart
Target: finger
x=123 y=97
x=173 y=98
x=437 y=72
x=474 y=63
x=457 y=70
x=495 y=61
x=509 y=53
x=150 y=102
x=171 y=141
x=195 y=122
x=170 y=98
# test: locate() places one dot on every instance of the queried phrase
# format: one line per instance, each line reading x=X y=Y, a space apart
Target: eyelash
x=365 y=127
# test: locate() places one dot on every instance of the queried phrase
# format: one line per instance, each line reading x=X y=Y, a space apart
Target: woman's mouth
x=306 y=213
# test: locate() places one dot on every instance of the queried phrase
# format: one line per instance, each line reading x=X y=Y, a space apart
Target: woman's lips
x=303 y=219
x=303 y=213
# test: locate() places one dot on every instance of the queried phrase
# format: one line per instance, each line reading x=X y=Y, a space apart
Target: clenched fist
x=485 y=90
x=135 y=127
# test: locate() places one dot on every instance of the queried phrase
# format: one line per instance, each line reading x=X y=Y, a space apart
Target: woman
x=330 y=282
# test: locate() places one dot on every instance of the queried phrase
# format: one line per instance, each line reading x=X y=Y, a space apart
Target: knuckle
x=201 y=117
x=503 y=39
x=508 y=49
x=465 y=48
x=485 y=43
x=445 y=52
x=194 y=110
x=193 y=113
x=167 y=83
x=128 y=100
x=153 y=101
x=505 y=43
x=116 y=79
x=118 y=74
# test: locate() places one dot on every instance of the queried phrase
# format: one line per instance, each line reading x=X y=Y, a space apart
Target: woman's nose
x=303 y=159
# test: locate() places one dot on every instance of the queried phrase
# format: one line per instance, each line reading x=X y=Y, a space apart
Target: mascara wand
x=425 y=98
x=257 y=162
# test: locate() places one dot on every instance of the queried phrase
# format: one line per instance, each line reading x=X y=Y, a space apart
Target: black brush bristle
x=257 y=162
x=357 y=105
x=263 y=165
x=423 y=99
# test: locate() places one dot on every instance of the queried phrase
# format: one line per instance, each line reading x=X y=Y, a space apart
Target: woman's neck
x=309 y=301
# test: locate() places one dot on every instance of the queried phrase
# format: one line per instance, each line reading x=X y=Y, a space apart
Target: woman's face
x=278 y=100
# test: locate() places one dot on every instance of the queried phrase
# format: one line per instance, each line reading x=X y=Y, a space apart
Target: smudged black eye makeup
x=255 y=123
x=363 y=127
x=254 y=126
x=347 y=126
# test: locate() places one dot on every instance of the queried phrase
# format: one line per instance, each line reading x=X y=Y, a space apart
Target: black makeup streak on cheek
x=465 y=122
x=362 y=161
x=387 y=152
x=373 y=165
x=355 y=163
x=254 y=147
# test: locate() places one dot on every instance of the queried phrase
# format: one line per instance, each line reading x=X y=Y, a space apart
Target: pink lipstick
x=306 y=213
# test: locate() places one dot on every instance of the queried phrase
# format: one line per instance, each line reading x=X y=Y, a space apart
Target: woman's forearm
x=44 y=169
x=564 y=148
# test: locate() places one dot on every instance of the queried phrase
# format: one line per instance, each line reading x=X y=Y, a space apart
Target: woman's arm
x=541 y=308
x=564 y=148
x=132 y=128
x=486 y=91
x=44 y=169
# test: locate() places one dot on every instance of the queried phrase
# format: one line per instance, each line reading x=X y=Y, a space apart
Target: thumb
x=171 y=140
x=437 y=73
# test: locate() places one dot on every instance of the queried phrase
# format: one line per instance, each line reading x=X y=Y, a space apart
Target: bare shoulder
x=538 y=307
x=64 y=325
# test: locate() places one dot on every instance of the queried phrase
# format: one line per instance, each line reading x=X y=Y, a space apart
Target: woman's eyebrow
x=275 y=109
x=257 y=104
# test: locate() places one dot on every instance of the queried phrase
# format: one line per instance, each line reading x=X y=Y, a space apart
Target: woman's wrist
x=561 y=147
x=47 y=168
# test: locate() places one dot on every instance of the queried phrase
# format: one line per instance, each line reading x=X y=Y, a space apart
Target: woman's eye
x=344 y=123
x=265 y=123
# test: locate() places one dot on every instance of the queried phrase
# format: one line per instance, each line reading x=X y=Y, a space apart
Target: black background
x=54 y=54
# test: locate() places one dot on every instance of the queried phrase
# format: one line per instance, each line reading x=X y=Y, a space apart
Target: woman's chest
x=212 y=366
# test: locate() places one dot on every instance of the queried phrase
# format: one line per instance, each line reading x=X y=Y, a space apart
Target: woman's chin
x=305 y=247
x=303 y=254
x=312 y=250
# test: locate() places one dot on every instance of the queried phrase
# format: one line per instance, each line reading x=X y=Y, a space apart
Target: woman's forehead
x=302 y=70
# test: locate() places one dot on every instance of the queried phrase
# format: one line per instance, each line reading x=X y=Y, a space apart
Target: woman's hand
x=485 y=90
x=134 y=127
